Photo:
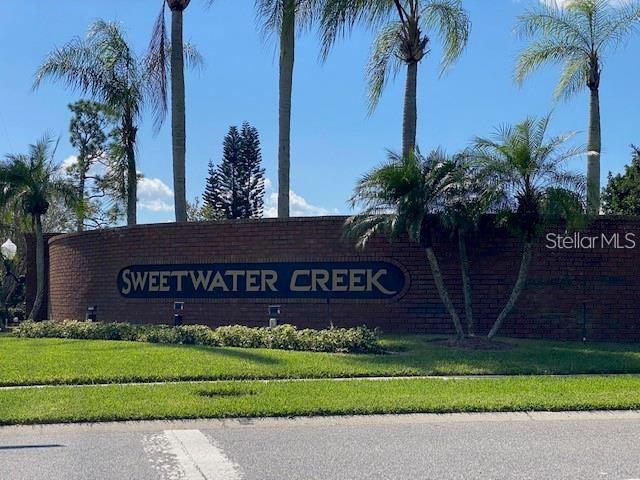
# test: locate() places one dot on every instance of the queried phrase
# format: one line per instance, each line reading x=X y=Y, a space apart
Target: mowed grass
x=321 y=397
x=56 y=361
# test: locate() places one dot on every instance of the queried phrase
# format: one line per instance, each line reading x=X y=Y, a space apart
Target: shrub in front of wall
x=285 y=337
x=197 y=335
x=282 y=337
x=240 y=336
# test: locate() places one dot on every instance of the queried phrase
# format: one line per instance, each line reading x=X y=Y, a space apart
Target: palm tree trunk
x=287 y=59
x=593 y=155
x=410 y=120
x=443 y=292
x=132 y=173
x=527 y=253
x=40 y=280
x=466 y=283
x=178 y=120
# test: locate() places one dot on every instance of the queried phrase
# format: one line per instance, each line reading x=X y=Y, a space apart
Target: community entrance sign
x=366 y=280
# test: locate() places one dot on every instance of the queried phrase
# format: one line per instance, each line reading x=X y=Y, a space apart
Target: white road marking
x=157 y=448
x=198 y=458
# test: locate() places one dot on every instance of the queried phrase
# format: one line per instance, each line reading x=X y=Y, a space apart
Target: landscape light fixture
x=91 y=313
x=178 y=317
x=9 y=250
x=274 y=314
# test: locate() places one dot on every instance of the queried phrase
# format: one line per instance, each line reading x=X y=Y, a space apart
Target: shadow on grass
x=420 y=355
x=412 y=355
x=254 y=355
x=225 y=392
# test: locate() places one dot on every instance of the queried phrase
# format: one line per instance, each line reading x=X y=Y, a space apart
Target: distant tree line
x=622 y=194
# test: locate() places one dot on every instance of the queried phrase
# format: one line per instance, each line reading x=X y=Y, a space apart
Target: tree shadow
x=422 y=356
x=28 y=447
x=260 y=356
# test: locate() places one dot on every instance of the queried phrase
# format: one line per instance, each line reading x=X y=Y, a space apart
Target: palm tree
x=105 y=67
x=178 y=116
x=160 y=49
x=404 y=39
x=282 y=18
x=469 y=197
x=580 y=36
x=536 y=188
x=401 y=197
x=30 y=182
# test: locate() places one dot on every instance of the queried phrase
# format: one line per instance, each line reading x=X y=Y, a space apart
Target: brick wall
x=569 y=292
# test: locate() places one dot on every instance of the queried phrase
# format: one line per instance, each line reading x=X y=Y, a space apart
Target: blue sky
x=334 y=141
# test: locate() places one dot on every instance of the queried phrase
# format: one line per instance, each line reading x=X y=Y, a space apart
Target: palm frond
x=157 y=68
x=573 y=78
x=31 y=180
x=102 y=65
x=75 y=65
x=544 y=51
x=399 y=196
x=269 y=14
x=553 y=21
x=384 y=61
x=618 y=26
x=527 y=167
x=192 y=56
x=339 y=17
x=452 y=22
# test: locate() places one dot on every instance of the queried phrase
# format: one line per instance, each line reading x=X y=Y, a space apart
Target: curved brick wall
x=569 y=291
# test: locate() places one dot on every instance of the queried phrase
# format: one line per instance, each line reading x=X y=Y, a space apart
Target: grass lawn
x=55 y=361
x=323 y=397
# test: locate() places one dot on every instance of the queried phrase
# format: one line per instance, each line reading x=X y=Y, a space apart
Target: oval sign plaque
x=366 y=280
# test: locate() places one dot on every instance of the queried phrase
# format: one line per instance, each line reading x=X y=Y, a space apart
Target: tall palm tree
x=284 y=18
x=401 y=197
x=104 y=66
x=161 y=49
x=403 y=39
x=536 y=187
x=30 y=182
x=579 y=35
x=178 y=116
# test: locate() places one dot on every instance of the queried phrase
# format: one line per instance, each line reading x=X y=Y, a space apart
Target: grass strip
x=325 y=397
x=57 y=361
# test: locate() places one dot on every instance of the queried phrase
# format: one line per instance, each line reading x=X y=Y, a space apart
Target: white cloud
x=154 y=195
x=300 y=207
x=68 y=162
x=97 y=168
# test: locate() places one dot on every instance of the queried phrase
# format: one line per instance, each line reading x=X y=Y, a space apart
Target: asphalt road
x=483 y=446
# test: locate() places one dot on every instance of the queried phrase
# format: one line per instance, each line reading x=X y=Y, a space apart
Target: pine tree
x=229 y=173
x=99 y=206
x=253 y=180
x=213 y=207
x=235 y=187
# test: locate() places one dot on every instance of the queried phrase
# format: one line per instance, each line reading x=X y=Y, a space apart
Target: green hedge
x=283 y=337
